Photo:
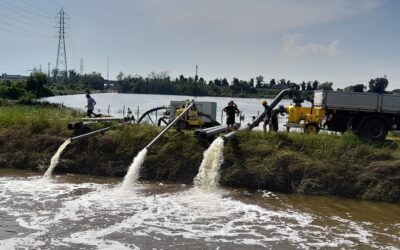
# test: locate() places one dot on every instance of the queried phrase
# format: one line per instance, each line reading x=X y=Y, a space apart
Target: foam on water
x=134 y=170
x=54 y=160
x=89 y=215
x=208 y=175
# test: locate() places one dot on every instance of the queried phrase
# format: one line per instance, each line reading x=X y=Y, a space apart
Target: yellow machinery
x=190 y=120
x=308 y=118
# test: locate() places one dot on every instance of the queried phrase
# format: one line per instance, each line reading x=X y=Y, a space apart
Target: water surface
x=83 y=212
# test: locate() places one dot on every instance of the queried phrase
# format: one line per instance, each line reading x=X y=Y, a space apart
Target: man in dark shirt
x=267 y=118
x=230 y=111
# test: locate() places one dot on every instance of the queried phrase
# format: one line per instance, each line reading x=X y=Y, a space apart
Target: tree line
x=39 y=85
x=162 y=83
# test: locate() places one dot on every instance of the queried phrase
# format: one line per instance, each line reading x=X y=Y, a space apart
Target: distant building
x=5 y=76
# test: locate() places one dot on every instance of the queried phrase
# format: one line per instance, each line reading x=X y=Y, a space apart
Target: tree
x=272 y=83
x=217 y=82
x=36 y=84
x=235 y=82
x=282 y=82
x=303 y=86
x=355 y=88
x=309 y=87
x=378 y=85
x=224 y=82
x=92 y=81
x=251 y=82
x=325 y=86
x=259 y=81
x=315 y=85
x=120 y=76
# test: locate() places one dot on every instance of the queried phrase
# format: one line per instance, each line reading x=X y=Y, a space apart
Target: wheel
x=311 y=128
x=181 y=125
x=374 y=129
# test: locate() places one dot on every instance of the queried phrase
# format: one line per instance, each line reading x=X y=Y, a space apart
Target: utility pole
x=196 y=77
x=61 y=62
x=48 y=70
x=108 y=68
x=81 y=67
x=108 y=72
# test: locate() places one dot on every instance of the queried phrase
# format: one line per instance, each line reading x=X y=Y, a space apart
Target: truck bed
x=356 y=101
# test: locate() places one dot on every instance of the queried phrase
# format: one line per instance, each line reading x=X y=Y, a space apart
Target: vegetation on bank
x=39 y=85
x=284 y=162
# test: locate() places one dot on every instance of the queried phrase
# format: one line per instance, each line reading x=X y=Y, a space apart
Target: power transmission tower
x=61 y=63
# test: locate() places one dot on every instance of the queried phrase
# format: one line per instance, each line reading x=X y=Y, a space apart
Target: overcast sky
x=343 y=41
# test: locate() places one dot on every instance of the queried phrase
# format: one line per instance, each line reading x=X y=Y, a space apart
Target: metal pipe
x=198 y=131
x=274 y=102
x=170 y=125
x=231 y=135
x=103 y=119
x=96 y=131
x=211 y=132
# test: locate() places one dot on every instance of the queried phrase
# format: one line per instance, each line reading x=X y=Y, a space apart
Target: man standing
x=230 y=111
x=90 y=106
x=267 y=116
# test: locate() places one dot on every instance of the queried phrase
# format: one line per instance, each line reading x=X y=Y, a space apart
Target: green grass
x=287 y=162
x=37 y=119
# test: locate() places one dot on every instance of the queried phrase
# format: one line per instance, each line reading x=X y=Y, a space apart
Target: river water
x=113 y=104
x=81 y=212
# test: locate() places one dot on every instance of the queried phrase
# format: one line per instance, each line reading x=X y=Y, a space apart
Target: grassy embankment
x=294 y=162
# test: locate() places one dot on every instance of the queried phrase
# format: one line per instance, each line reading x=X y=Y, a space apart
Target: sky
x=344 y=41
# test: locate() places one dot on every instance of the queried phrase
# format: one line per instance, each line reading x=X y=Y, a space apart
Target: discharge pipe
x=274 y=102
x=170 y=125
x=204 y=131
x=212 y=132
x=97 y=131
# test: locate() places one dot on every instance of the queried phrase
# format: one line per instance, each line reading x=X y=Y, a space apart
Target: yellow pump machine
x=308 y=118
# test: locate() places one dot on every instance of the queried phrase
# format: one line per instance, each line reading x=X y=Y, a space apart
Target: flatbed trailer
x=370 y=115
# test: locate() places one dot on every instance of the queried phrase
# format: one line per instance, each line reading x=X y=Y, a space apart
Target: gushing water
x=208 y=175
x=54 y=160
x=133 y=172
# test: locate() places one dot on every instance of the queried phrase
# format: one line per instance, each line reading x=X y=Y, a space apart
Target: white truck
x=369 y=115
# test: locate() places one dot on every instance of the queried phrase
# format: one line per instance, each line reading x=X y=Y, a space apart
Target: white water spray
x=134 y=169
x=208 y=175
x=54 y=160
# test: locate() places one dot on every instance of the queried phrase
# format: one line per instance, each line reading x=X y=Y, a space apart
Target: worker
x=268 y=111
x=90 y=106
x=273 y=121
x=230 y=111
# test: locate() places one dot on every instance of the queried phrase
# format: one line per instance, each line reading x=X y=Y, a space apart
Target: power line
x=28 y=11
x=20 y=21
x=15 y=26
x=34 y=7
x=21 y=14
x=17 y=33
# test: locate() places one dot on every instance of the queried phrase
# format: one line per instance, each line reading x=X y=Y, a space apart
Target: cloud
x=251 y=17
x=297 y=45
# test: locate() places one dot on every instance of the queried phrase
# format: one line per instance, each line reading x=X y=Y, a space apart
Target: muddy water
x=77 y=212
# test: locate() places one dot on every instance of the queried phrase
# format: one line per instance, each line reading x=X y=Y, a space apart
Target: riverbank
x=282 y=162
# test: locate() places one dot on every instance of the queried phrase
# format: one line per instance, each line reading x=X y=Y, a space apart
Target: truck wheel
x=311 y=128
x=181 y=125
x=374 y=129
